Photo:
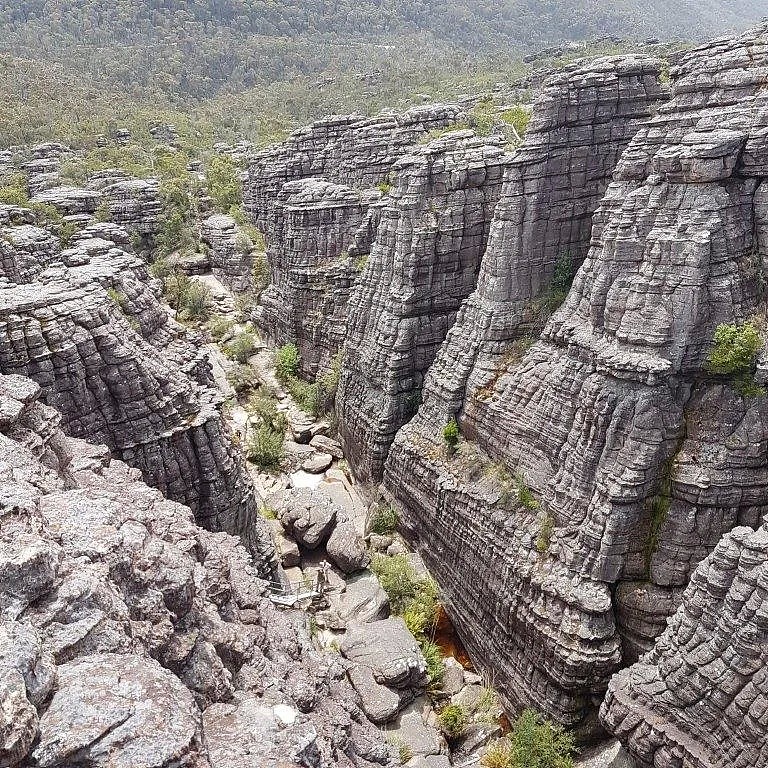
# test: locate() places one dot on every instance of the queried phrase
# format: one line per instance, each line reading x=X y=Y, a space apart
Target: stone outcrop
x=133 y=204
x=94 y=335
x=353 y=150
x=698 y=698
x=312 y=226
x=230 y=252
x=432 y=231
x=518 y=526
x=131 y=637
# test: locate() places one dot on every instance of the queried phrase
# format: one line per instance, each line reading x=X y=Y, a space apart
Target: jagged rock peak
x=131 y=637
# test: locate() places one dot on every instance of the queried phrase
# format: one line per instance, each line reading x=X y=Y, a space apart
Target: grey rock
x=307 y=516
x=346 y=548
x=317 y=463
x=119 y=710
x=362 y=600
x=230 y=252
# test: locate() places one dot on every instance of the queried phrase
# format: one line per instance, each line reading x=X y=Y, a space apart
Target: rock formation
x=432 y=231
x=698 y=698
x=230 y=252
x=528 y=582
x=131 y=637
x=312 y=226
x=351 y=149
x=92 y=333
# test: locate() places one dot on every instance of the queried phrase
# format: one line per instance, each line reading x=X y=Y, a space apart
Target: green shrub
x=383 y=521
x=265 y=446
x=407 y=592
x=735 y=351
x=453 y=720
x=384 y=187
x=241 y=348
x=533 y=743
x=287 y=361
x=242 y=378
x=219 y=327
x=268 y=513
x=176 y=286
x=306 y=395
x=518 y=117
x=66 y=231
x=14 y=192
x=451 y=434
x=524 y=494
x=161 y=268
x=196 y=301
x=544 y=538
x=259 y=272
x=434 y=658
x=223 y=180
x=102 y=213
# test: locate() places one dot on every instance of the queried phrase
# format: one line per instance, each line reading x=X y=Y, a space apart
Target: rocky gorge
x=491 y=439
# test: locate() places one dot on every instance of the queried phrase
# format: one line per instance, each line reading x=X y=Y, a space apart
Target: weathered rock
x=389 y=650
x=351 y=149
x=307 y=516
x=134 y=204
x=100 y=343
x=317 y=463
x=523 y=581
x=230 y=252
x=698 y=698
x=311 y=272
x=362 y=600
x=163 y=649
x=424 y=263
x=346 y=548
x=119 y=710
x=25 y=251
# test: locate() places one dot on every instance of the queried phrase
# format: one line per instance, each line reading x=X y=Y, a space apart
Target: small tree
x=736 y=348
x=453 y=720
x=451 y=435
x=241 y=347
x=287 y=361
x=224 y=185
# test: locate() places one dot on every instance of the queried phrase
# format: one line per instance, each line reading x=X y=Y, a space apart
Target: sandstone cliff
x=431 y=232
x=89 y=329
x=600 y=467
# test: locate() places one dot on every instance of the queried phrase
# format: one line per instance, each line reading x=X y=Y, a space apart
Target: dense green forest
x=255 y=67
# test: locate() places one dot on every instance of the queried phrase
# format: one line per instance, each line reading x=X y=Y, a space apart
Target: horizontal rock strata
x=351 y=149
x=92 y=333
x=312 y=227
x=518 y=528
x=132 y=638
x=432 y=231
x=698 y=698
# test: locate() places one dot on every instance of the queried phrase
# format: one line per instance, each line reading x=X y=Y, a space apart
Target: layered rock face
x=527 y=573
x=350 y=149
x=131 y=637
x=699 y=697
x=230 y=254
x=312 y=227
x=92 y=333
x=431 y=233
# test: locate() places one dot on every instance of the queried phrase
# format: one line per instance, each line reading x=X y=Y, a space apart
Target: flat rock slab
x=389 y=649
x=118 y=711
x=317 y=463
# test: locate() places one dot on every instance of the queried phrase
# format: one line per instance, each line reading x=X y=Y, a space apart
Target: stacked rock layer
x=521 y=528
x=132 y=638
x=432 y=231
x=90 y=330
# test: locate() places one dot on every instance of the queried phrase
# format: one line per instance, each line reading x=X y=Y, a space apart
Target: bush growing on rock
x=453 y=720
x=287 y=361
x=196 y=302
x=241 y=348
x=451 y=435
x=265 y=446
x=219 y=327
x=736 y=349
x=533 y=743
x=14 y=192
x=242 y=378
x=383 y=520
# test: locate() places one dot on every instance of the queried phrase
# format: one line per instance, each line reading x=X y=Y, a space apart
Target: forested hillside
x=292 y=60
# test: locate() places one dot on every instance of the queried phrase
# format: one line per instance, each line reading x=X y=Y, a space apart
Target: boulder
x=346 y=548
